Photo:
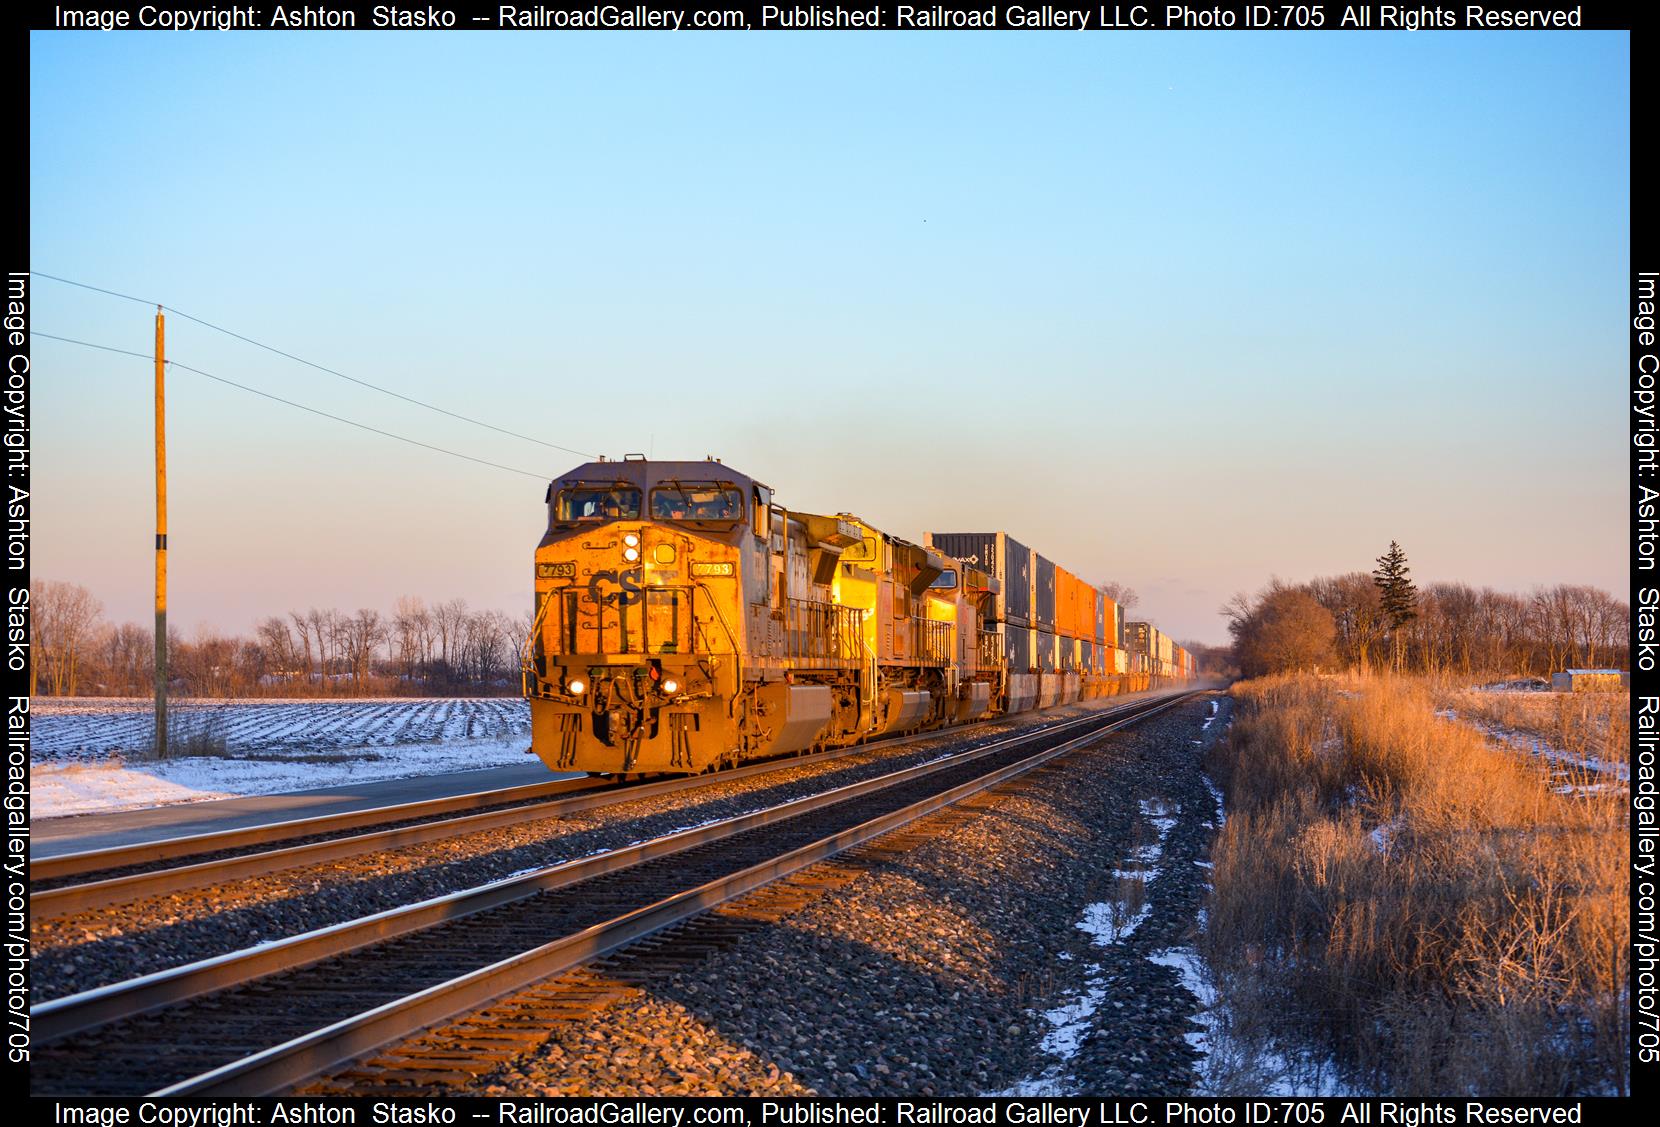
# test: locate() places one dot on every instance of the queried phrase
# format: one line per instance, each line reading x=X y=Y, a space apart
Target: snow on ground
x=1382 y=835
x=80 y=727
x=93 y=755
x=1195 y=976
x=1537 y=746
x=1106 y=922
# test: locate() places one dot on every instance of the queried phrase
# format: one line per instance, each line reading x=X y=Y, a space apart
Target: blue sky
x=1181 y=310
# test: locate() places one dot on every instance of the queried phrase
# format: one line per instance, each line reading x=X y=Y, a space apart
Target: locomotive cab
x=637 y=637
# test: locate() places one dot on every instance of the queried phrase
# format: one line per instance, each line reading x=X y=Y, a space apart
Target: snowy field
x=94 y=754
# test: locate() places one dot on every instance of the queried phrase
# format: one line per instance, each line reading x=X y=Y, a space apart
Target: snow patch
x=113 y=784
x=1195 y=979
x=1382 y=835
x=1108 y=921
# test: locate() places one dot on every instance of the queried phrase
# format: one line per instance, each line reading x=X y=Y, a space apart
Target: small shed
x=1589 y=681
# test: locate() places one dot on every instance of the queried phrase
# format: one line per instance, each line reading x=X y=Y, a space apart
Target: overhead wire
x=292 y=403
x=313 y=364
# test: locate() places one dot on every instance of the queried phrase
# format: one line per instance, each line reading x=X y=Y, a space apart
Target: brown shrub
x=1415 y=898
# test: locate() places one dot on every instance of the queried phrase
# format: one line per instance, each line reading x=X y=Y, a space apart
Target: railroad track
x=83 y=882
x=267 y=1018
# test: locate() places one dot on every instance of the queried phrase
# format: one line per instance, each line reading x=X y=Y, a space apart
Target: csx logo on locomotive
x=769 y=631
x=628 y=581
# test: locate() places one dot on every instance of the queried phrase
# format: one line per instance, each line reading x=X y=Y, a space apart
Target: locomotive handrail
x=731 y=639
x=737 y=651
x=527 y=651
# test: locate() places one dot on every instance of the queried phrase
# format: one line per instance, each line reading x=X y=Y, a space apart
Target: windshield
x=598 y=502
x=697 y=501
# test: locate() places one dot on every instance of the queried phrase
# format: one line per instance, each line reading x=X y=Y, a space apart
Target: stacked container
x=1003 y=557
x=1017 y=647
x=1043 y=593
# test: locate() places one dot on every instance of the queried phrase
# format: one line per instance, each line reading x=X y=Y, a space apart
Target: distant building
x=1589 y=681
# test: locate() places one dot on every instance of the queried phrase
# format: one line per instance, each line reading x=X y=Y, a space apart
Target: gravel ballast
x=80 y=952
x=1011 y=954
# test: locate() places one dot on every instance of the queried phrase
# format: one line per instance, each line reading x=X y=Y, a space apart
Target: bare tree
x=1357 y=614
x=325 y=627
x=360 y=634
x=302 y=626
x=411 y=626
x=125 y=657
x=282 y=653
x=1554 y=614
x=1122 y=594
x=449 y=623
x=62 y=620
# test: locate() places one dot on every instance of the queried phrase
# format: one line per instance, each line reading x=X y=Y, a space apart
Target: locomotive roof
x=644 y=474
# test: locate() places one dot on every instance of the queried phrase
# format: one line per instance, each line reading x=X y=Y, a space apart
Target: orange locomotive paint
x=685 y=621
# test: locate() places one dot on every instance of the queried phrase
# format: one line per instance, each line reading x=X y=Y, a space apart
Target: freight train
x=686 y=621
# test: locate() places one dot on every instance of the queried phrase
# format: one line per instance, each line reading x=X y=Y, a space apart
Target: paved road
x=78 y=832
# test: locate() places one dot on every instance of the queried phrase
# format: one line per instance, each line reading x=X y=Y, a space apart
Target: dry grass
x=1393 y=887
x=192 y=732
x=1586 y=725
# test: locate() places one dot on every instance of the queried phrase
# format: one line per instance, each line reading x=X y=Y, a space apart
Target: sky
x=1184 y=311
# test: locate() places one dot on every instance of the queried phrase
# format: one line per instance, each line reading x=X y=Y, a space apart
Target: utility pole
x=161 y=537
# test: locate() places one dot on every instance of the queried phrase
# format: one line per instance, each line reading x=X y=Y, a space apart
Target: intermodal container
x=1017 y=648
x=1143 y=639
x=1047 y=646
x=1002 y=556
x=1043 y=592
x=1103 y=611
x=1066 y=603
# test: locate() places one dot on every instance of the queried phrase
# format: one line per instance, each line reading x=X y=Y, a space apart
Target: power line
x=89 y=344
x=311 y=364
x=301 y=406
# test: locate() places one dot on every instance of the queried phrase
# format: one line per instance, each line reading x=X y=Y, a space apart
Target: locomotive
x=686 y=622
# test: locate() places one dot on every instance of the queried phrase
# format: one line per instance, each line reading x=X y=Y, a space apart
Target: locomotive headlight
x=577 y=686
x=631 y=540
x=671 y=686
x=631 y=554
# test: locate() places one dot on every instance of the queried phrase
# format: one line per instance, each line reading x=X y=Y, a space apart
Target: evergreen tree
x=1397 y=594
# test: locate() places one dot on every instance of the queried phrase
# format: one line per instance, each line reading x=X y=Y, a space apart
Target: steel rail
x=174 y=848
x=76 y=1013
x=304 y=1057
x=52 y=903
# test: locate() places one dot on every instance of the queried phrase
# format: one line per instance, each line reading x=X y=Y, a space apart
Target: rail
x=336 y=1042
x=563 y=797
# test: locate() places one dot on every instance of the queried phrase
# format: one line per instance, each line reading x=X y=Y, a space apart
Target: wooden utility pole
x=161 y=538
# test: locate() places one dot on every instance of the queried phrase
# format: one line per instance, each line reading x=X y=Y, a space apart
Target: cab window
x=947 y=580
x=762 y=523
x=697 y=502
x=862 y=552
x=597 y=503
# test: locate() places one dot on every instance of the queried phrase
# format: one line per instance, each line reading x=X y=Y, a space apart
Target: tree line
x=1383 y=620
x=445 y=649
